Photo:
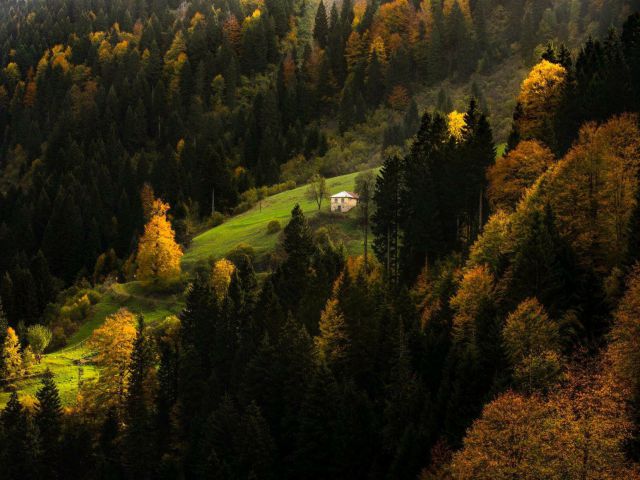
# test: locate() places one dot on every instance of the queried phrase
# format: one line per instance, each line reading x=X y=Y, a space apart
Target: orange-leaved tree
x=578 y=431
x=513 y=173
x=158 y=253
x=112 y=344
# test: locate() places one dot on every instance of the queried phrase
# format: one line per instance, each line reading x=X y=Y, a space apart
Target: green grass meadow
x=71 y=364
x=250 y=227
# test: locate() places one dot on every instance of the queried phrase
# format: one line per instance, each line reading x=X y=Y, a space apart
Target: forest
x=487 y=325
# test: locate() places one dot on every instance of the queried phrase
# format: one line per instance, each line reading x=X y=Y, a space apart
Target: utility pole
x=213 y=201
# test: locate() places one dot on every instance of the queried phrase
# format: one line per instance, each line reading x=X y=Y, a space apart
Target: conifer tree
x=48 y=419
x=543 y=266
x=109 y=463
x=139 y=436
x=374 y=81
x=197 y=334
x=424 y=237
x=317 y=434
x=403 y=401
x=333 y=341
x=298 y=245
x=478 y=153
x=321 y=27
x=254 y=447
x=385 y=222
x=20 y=452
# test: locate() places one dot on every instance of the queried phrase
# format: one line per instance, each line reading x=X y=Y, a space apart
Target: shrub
x=252 y=196
x=273 y=227
x=217 y=219
x=240 y=250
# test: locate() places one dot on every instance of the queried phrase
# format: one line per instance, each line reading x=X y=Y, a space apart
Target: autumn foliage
x=158 y=253
x=540 y=96
x=577 y=432
x=514 y=172
x=112 y=344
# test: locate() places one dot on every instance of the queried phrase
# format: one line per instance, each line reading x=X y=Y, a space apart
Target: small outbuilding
x=344 y=201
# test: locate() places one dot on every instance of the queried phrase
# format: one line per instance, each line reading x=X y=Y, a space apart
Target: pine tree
x=21 y=450
x=316 y=437
x=139 y=447
x=402 y=410
x=254 y=448
x=385 y=222
x=543 y=266
x=321 y=27
x=198 y=322
x=48 y=418
x=478 y=153
x=333 y=341
x=424 y=238
x=298 y=245
x=374 y=81
x=109 y=464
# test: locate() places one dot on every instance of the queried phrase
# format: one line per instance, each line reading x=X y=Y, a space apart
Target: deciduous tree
x=317 y=189
x=158 y=253
x=514 y=172
x=112 y=344
x=532 y=343
x=11 y=358
x=39 y=338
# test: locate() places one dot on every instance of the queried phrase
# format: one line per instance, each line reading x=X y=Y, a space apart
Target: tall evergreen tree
x=385 y=221
x=20 y=452
x=423 y=232
x=48 y=419
x=321 y=27
x=139 y=446
x=292 y=275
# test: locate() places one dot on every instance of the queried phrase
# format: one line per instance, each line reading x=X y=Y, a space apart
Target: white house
x=344 y=201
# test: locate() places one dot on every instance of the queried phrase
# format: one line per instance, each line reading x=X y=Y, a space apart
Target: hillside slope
x=250 y=227
x=71 y=365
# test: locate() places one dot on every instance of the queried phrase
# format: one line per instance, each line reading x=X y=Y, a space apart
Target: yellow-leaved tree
x=158 y=253
x=221 y=278
x=11 y=358
x=112 y=345
x=540 y=96
x=456 y=124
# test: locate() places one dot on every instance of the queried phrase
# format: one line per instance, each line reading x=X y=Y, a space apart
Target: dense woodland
x=490 y=332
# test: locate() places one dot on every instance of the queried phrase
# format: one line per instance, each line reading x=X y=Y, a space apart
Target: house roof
x=346 y=194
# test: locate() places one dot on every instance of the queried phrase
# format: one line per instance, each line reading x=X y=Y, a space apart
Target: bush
x=240 y=250
x=252 y=196
x=273 y=227
x=164 y=286
x=217 y=219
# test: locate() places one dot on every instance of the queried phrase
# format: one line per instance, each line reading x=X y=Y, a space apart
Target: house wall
x=343 y=204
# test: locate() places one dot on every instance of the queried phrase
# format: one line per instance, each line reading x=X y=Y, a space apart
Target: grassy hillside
x=251 y=227
x=71 y=365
